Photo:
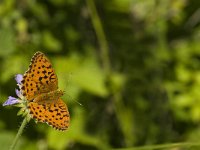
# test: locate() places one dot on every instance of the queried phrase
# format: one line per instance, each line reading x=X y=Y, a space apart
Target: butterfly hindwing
x=55 y=114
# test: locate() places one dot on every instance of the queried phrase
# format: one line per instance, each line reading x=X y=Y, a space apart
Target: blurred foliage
x=134 y=65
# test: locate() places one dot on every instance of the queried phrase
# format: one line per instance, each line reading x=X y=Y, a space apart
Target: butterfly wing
x=55 y=114
x=39 y=78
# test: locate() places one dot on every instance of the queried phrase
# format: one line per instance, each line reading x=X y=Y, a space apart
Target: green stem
x=162 y=146
x=100 y=35
x=19 y=134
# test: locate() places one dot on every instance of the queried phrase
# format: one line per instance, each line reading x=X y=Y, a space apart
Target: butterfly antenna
x=69 y=76
x=74 y=100
x=78 y=103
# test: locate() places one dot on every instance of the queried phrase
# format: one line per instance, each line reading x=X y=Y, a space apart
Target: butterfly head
x=60 y=92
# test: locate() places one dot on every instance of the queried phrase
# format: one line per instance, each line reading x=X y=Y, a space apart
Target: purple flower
x=11 y=101
x=19 y=78
x=17 y=92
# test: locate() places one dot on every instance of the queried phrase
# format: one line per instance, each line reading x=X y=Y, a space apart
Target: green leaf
x=86 y=74
x=50 y=42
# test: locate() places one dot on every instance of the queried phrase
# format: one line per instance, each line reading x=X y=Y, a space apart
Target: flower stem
x=18 y=134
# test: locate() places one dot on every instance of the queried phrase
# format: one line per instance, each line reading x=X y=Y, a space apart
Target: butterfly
x=40 y=88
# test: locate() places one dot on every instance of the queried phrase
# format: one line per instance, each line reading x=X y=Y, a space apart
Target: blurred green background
x=134 y=65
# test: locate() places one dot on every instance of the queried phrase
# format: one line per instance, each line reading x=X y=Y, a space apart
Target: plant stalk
x=19 y=133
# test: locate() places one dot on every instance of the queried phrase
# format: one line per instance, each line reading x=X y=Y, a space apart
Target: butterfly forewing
x=39 y=78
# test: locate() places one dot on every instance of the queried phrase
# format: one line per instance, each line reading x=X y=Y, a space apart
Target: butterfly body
x=49 y=97
x=40 y=88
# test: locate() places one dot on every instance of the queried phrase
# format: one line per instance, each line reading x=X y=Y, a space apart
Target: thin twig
x=100 y=35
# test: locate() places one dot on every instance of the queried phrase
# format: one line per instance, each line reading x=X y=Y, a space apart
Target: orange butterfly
x=40 y=88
